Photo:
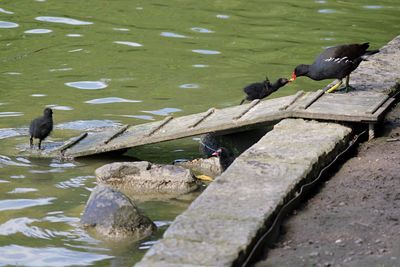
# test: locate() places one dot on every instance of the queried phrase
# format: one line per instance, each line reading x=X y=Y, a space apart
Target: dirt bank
x=354 y=220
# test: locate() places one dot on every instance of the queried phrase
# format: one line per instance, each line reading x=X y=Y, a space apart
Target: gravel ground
x=354 y=219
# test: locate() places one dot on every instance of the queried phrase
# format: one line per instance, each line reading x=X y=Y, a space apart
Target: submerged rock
x=115 y=216
x=145 y=178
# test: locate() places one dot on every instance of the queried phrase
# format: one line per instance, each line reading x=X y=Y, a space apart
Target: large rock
x=115 y=216
x=145 y=178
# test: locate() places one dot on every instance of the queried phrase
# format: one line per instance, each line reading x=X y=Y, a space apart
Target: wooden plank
x=298 y=95
x=158 y=127
x=72 y=142
x=222 y=119
x=314 y=98
x=268 y=110
x=336 y=108
x=136 y=134
x=252 y=105
x=343 y=106
x=348 y=99
x=205 y=116
x=316 y=105
x=377 y=105
x=382 y=109
x=118 y=132
x=334 y=117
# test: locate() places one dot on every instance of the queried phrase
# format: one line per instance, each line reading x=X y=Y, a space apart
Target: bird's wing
x=46 y=127
x=350 y=52
x=33 y=125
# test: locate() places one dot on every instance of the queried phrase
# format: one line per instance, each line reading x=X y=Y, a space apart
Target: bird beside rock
x=226 y=157
x=262 y=89
x=335 y=62
x=41 y=127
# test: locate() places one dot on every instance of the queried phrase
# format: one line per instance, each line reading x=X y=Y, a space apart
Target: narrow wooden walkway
x=312 y=105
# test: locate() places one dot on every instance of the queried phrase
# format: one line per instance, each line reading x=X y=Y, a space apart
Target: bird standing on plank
x=335 y=62
x=262 y=89
x=41 y=127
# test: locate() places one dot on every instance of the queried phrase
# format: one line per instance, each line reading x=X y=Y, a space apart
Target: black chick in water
x=41 y=127
x=262 y=89
x=335 y=62
x=225 y=156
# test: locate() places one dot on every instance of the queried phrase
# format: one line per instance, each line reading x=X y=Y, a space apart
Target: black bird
x=262 y=89
x=41 y=127
x=225 y=156
x=208 y=144
x=335 y=62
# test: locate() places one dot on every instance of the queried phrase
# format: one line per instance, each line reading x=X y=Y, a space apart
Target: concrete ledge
x=220 y=225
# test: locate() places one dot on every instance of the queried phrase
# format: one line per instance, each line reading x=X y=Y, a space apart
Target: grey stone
x=142 y=177
x=188 y=253
x=114 y=216
x=219 y=225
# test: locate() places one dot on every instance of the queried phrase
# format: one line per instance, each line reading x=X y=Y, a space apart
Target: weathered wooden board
x=314 y=105
x=232 y=118
x=341 y=107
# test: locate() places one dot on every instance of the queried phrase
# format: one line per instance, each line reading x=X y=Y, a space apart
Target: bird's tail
x=241 y=102
x=368 y=54
x=371 y=52
x=365 y=46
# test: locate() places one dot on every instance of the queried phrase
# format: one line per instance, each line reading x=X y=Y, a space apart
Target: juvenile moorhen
x=262 y=89
x=335 y=62
x=225 y=156
x=41 y=127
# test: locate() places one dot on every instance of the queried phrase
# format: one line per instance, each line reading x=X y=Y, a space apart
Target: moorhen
x=262 y=89
x=41 y=127
x=225 y=156
x=335 y=62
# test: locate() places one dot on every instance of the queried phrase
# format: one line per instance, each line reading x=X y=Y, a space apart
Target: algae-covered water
x=106 y=63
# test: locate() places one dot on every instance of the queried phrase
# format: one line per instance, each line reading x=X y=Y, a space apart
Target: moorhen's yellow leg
x=348 y=86
x=333 y=88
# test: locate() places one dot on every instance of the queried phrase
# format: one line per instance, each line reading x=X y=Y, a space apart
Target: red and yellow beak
x=293 y=77
x=216 y=153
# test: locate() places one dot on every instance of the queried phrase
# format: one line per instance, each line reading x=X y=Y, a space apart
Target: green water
x=139 y=61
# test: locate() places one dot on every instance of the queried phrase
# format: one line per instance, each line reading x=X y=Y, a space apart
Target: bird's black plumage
x=41 y=127
x=226 y=157
x=262 y=89
x=335 y=62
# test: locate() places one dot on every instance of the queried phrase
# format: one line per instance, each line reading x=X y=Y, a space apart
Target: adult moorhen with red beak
x=262 y=89
x=335 y=62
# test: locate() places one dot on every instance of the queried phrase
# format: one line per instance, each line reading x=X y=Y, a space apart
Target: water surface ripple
x=16 y=204
x=47 y=256
x=63 y=20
